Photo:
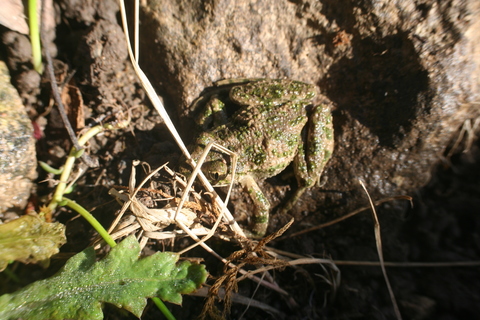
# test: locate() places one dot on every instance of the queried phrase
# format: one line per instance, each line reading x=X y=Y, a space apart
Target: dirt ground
x=442 y=226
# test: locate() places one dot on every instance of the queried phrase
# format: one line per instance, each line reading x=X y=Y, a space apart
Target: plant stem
x=104 y=234
x=35 y=36
x=68 y=166
x=60 y=191
x=91 y=219
x=163 y=308
x=11 y=275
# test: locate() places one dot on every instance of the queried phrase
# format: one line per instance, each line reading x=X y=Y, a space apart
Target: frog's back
x=270 y=92
x=265 y=140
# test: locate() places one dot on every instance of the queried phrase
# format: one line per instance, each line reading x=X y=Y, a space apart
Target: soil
x=442 y=226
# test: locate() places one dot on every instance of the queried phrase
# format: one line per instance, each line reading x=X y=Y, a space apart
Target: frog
x=276 y=124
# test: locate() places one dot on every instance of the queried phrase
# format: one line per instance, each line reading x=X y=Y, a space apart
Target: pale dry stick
x=163 y=235
x=133 y=192
x=205 y=238
x=147 y=217
x=237 y=298
x=128 y=201
x=131 y=226
x=151 y=220
x=125 y=206
x=351 y=214
x=125 y=228
x=186 y=187
x=181 y=181
x=251 y=301
x=191 y=180
x=293 y=263
x=409 y=264
x=378 y=238
x=469 y=130
x=286 y=255
x=143 y=240
x=136 y=29
x=168 y=122
x=133 y=182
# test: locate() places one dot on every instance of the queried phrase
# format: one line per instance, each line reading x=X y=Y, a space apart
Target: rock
x=404 y=76
x=18 y=161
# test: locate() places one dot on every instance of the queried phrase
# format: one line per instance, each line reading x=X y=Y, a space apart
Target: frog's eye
x=215 y=171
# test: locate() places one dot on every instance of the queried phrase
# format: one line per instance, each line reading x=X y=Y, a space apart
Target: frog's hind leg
x=311 y=160
x=259 y=222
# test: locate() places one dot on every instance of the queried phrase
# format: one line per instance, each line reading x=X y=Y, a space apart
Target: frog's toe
x=259 y=225
x=292 y=201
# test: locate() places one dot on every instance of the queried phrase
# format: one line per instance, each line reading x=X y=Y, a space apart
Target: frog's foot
x=213 y=114
x=291 y=201
x=310 y=162
x=259 y=222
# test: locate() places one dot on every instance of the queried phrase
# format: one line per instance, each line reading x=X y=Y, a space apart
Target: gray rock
x=18 y=161
x=404 y=75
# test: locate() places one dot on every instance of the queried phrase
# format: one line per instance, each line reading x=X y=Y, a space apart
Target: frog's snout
x=215 y=171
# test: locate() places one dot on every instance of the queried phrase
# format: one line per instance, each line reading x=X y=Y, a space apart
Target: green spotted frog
x=266 y=134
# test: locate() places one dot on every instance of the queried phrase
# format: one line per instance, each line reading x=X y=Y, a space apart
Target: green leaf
x=80 y=288
x=29 y=239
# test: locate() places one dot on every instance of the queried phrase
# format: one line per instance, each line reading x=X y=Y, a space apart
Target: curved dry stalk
x=192 y=178
x=147 y=220
x=378 y=238
x=238 y=298
x=468 y=129
x=296 y=262
x=444 y=264
x=168 y=122
x=349 y=215
x=132 y=192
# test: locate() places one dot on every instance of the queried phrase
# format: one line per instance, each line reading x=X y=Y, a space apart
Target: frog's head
x=216 y=171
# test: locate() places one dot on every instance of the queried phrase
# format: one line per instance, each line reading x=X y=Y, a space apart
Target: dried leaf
x=29 y=239
x=12 y=16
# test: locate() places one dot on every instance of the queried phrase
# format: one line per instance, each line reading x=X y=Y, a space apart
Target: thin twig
x=351 y=214
x=53 y=82
x=378 y=241
x=444 y=264
x=56 y=93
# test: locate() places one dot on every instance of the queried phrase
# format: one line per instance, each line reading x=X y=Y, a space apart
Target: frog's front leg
x=213 y=114
x=311 y=160
x=259 y=221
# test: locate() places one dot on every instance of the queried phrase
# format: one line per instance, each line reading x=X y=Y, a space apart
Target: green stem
x=108 y=239
x=91 y=219
x=35 y=36
x=11 y=275
x=49 y=169
x=60 y=191
x=67 y=168
x=163 y=308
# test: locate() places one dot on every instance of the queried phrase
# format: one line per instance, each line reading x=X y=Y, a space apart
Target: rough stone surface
x=403 y=75
x=17 y=148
